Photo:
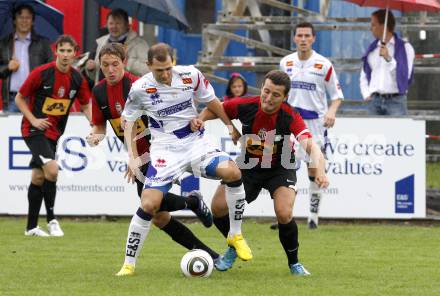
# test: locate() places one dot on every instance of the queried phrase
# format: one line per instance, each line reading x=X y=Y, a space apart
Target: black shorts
x=40 y=146
x=270 y=179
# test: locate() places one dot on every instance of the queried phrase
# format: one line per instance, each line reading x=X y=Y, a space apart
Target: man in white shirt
x=167 y=95
x=387 y=69
x=312 y=77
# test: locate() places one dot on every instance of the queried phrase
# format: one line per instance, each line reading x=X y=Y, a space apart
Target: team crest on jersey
x=187 y=80
x=318 y=66
x=151 y=90
x=118 y=108
x=289 y=64
x=160 y=163
x=262 y=133
x=72 y=93
x=61 y=92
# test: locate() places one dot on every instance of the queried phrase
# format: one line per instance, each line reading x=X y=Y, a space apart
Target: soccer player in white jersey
x=313 y=77
x=167 y=95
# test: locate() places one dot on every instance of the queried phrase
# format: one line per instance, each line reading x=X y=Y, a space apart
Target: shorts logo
x=289 y=63
x=160 y=163
x=151 y=90
x=318 y=66
x=187 y=80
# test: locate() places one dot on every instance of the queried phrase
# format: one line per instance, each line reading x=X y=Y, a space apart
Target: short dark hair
x=115 y=49
x=279 y=78
x=66 y=39
x=19 y=8
x=235 y=77
x=159 y=52
x=380 y=15
x=119 y=13
x=305 y=25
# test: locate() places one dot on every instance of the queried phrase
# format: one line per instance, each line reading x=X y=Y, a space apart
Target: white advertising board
x=376 y=168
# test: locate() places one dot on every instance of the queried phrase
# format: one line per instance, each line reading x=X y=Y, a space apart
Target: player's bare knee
x=283 y=216
x=149 y=207
x=37 y=177
x=161 y=219
x=233 y=174
x=51 y=171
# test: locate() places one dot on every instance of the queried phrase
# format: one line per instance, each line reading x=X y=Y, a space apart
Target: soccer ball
x=196 y=263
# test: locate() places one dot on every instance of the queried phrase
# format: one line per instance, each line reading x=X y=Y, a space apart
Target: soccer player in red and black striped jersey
x=108 y=101
x=45 y=99
x=268 y=160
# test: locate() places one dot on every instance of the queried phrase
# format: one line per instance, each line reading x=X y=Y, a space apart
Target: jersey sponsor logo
x=151 y=90
x=184 y=74
x=55 y=107
x=303 y=85
x=61 y=92
x=187 y=88
x=289 y=70
x=175 y=108
x=316 y=74
x=117 y=127
x=318 y=66
x=187 y=80
x=289 y=64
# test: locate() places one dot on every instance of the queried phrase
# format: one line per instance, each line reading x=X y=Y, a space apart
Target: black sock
x=173 y=202
x=184 y=236
x=49 y=193
x=35 y=198
x=288 y=234
x=222 y=224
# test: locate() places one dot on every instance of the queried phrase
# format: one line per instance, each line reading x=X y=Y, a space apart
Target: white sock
x=235 y=198
x=315 y=194
x=137 y=233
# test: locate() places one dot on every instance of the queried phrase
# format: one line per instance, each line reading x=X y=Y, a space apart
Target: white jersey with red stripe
x=311 y=80
x=169 y=108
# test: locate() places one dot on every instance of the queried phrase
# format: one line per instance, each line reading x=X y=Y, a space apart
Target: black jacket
x=39 y=53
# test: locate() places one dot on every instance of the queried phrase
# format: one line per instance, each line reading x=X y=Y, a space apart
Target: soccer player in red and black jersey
x=45 y=99
x=108 y=101
x=268 y=160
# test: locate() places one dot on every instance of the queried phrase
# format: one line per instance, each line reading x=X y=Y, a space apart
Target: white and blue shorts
x=169 y=162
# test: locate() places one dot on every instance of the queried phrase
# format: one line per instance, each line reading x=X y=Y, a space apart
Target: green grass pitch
x=344 y=259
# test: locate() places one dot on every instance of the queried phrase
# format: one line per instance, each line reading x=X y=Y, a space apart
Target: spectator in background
x=387 y=69
x=237 y=87
x=120 y=32
x=21 y=52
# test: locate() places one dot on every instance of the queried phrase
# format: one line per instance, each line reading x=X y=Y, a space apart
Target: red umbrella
x=402 y=5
